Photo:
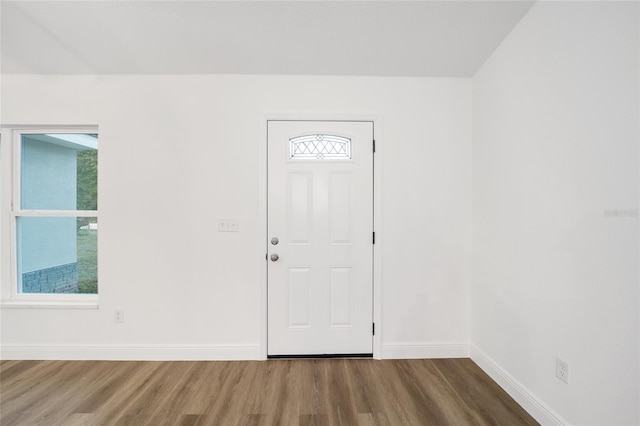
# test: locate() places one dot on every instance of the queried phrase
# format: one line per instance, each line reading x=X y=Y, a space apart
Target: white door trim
x=262 y=237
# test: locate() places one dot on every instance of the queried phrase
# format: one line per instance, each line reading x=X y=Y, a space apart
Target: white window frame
x=11 y=210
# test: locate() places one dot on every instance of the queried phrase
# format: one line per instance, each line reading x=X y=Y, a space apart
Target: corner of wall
x=523 y=396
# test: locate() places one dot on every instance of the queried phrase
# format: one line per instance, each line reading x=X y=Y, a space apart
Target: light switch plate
x=227 y=225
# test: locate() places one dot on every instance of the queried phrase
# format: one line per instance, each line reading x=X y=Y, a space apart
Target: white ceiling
x=377 y=38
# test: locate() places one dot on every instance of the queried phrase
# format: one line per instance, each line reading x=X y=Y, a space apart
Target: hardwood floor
x=282 y=392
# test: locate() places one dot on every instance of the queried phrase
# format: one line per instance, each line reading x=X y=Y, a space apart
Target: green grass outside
x=87 y=261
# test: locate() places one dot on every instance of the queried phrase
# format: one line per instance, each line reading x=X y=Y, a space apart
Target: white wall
x=178 y=152
x=555 y=147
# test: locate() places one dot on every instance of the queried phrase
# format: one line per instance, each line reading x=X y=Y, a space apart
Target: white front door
x=320 y=238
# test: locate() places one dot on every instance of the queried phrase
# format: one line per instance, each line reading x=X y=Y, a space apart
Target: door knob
x=275 y=241
x=274 y=257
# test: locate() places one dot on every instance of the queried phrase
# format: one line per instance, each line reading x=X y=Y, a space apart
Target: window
x=320 y=147
x=54 y=215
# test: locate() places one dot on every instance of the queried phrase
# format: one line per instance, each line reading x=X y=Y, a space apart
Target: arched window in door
x=320 y=147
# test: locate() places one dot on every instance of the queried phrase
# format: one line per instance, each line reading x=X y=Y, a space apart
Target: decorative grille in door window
x=320 y=147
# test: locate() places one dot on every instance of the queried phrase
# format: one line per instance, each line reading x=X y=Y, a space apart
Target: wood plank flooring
x=305 y=392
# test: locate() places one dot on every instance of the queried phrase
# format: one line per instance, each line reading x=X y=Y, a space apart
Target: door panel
x=320 y=207
x=299 y=303
x=340 y=208
x=300 y=207
x=341 y=299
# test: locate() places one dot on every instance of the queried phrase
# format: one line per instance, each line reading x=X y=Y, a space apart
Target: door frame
x=262 y=239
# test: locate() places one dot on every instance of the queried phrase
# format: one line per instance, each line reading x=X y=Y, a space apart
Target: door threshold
x=319 y=356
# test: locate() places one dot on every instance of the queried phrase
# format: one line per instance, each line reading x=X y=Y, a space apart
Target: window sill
x=49 y=304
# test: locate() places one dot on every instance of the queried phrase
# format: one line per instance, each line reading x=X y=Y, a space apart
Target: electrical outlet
x=562 y=370
x=118 y=315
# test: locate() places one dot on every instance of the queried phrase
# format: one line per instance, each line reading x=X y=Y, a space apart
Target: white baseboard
x=523 y=396
x=131 y=352
x=205 y=353
x=421 y=350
